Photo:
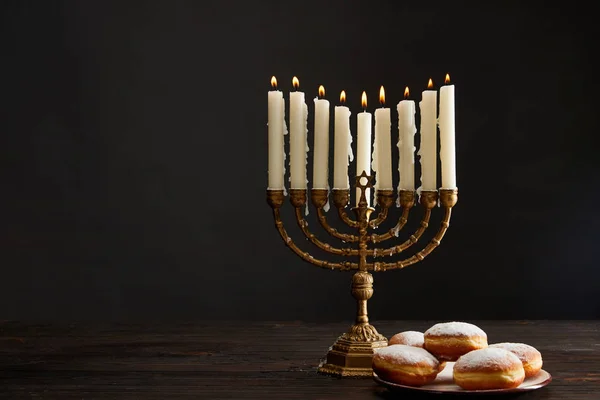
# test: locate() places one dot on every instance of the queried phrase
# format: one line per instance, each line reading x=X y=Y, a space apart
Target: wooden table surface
x=239 y=360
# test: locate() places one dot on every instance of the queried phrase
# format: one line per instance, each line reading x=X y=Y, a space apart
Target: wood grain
x=242 y=360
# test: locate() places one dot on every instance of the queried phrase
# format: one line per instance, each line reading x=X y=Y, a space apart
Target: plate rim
x=518 y=389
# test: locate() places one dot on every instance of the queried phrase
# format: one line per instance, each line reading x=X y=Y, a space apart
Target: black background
x=134 y=157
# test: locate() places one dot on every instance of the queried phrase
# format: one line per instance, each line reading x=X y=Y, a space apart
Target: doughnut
x=489 y=368
x=409 y=338
x=406 y=365
x=529 y=356
x=450 y=340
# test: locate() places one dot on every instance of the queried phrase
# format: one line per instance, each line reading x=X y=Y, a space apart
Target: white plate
x=444 y=383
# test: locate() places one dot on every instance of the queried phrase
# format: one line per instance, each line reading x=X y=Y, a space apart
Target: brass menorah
x=351 y=355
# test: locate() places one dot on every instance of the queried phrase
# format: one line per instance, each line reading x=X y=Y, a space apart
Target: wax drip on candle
x=412 y=129
x=350 y=152
x=374 y=155
x=326 y=206
x=305 y=119
x=420 y=152
x=374 y=166
x=285 y=132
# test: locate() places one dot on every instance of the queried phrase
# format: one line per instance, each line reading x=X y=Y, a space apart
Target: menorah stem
x=362 y=290
x=362 y=215
x=352 y=353
x=363 y=316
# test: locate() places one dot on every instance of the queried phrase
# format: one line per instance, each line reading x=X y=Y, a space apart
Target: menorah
x=351 y=355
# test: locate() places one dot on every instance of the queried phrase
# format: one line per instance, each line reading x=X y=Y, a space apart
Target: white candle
x=363 y=147
x=276 y=128
x=406 y=143
x=447 y=127
x=342 y=150
x=321 y=148
x=382 y=162
x=298 y=138
x=428 y=146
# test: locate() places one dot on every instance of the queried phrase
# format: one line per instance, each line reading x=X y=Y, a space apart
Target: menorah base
x=351 y=358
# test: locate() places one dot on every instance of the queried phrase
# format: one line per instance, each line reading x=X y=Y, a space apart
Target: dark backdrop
x=134 y=157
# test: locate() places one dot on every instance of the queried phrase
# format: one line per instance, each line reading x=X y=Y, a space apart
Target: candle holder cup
x=351 y=355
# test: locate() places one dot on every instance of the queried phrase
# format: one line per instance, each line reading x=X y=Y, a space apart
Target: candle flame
x=447 y=80
x=295 y=83
x=382 y=96
x=321 y=91
x=363 y=99
x=406 y=93
x=274 y=82
x=343 y=97
x=430 y=84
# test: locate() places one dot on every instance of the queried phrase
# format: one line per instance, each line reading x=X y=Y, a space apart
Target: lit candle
x=342 y=150
x=447 y=145
x=363 y=147
x=428 y=147
x=382 y=160
x=298 y=138
x=406 y=142
x=321 y=151
x=276 y=128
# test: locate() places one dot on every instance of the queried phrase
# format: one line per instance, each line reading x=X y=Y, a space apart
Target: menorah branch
x=319 y=199
x=428 y=200
x=275 y=199
x=341 y=198
x=406 y=200
x=384 y=199
x=322 y=245
x=448 y=199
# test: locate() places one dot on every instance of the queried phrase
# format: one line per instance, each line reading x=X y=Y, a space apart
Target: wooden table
x=247 y=360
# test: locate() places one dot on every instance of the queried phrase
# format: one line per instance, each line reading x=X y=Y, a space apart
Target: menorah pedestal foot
x=352 y=355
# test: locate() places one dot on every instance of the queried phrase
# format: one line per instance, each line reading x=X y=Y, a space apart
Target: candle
x=363 y=147
x=382 y=160
x=447 y=145
x=406 y=142
x=298 y=138
x=321 y=152
x=342 y=150
x=428 y=147
x=276 y=129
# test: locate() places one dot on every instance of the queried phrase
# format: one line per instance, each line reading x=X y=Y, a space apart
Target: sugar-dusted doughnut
x=529 y=356
x=406 y=365
x=409 y=338
x=489 y=368
x=450 y=340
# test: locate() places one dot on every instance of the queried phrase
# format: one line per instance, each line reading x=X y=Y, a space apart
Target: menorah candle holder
x=351 y=355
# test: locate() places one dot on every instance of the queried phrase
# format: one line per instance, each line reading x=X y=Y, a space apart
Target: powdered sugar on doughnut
x=522 y=350
x=410 y=338
x=403 y=354
x=455 y=329
x=489 y=359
